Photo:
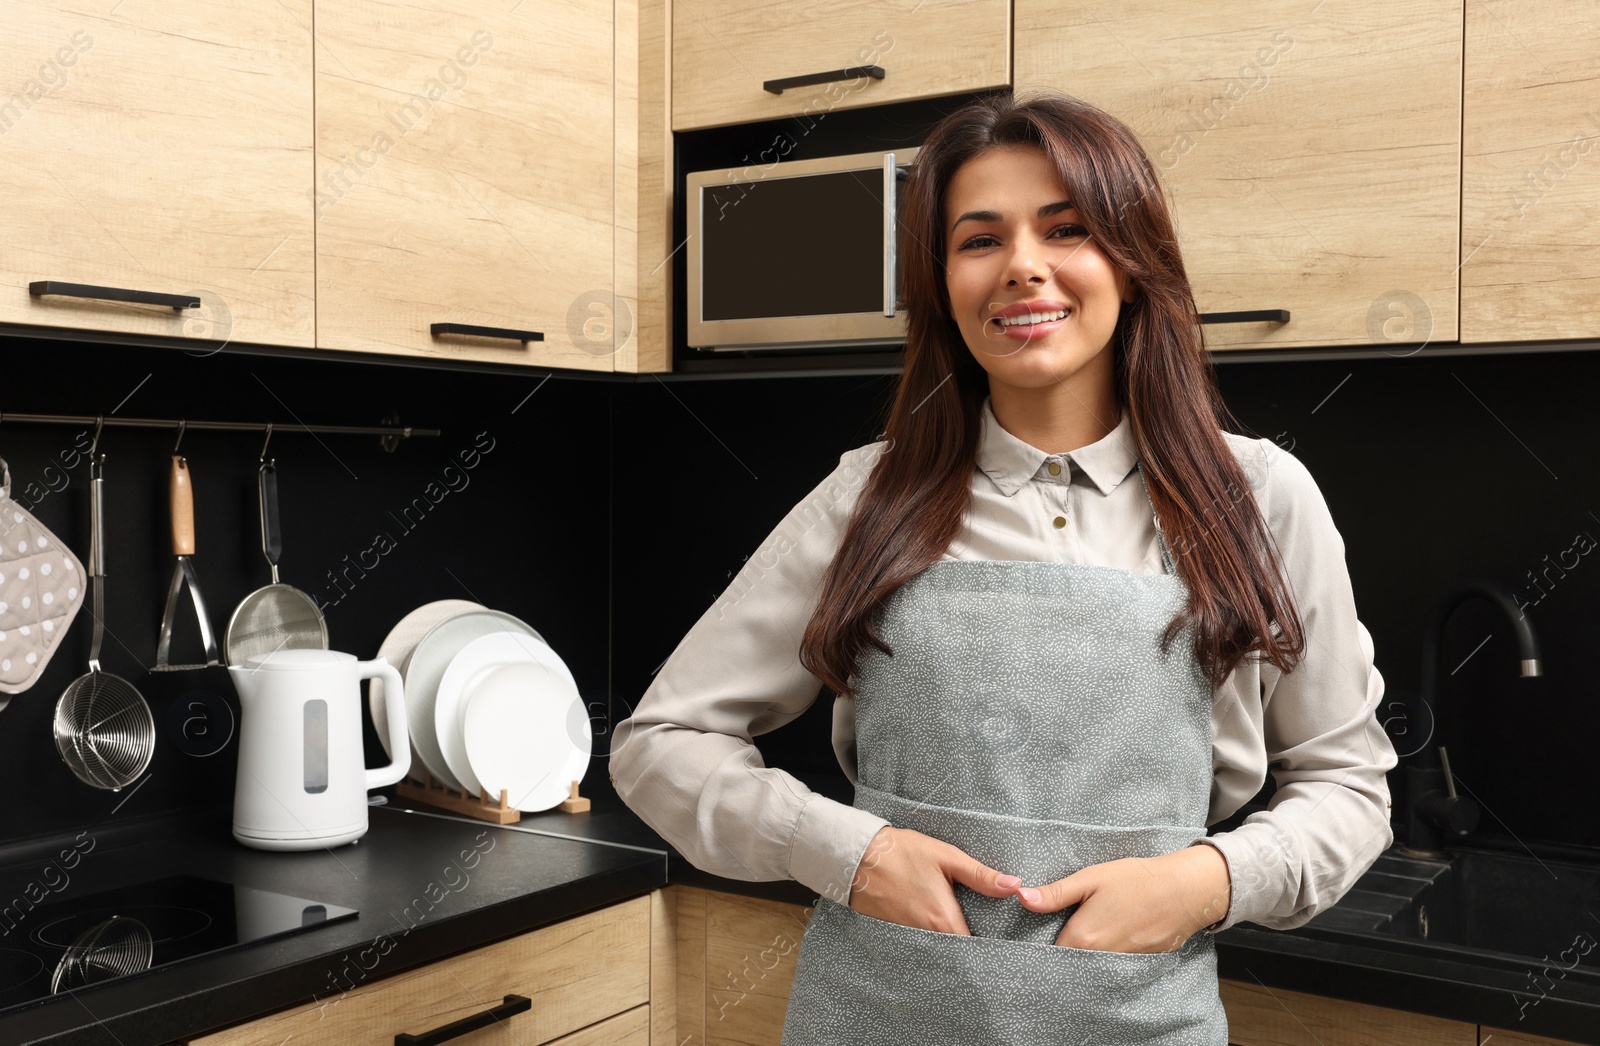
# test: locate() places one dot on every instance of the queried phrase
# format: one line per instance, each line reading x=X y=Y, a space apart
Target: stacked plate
x=491 y=707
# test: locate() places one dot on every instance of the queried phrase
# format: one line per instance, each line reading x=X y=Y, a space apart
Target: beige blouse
x=685 y=763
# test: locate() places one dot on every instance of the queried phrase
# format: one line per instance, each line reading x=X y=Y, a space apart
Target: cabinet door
x=736 y=960
x=160 y=148
x=1259 y=1016
x=1530 y=204
x=1311 y=157
x=724 y=51
x=576 y=972
x=464 y=176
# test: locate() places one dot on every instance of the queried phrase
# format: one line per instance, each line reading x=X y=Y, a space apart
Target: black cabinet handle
x=484 y=332
x=1258 y=316
x=778 y=86
x=513 y=1005
x=84 y=290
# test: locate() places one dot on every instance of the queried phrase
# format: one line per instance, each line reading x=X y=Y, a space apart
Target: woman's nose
x=1025 y=264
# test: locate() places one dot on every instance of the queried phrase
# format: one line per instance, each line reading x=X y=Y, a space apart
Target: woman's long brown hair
x=914 y=503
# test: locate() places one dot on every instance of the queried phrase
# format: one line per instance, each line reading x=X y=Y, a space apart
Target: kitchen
x=1392 y=177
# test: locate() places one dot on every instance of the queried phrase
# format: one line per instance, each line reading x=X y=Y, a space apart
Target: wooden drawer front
x=160 y=148
x=1304 y=172
x=625 y=1029
x=1497 y=1037
x=1259 y=1016
x=576 y=972
x=465 y=175
x=1530 y=193
x=724 y=50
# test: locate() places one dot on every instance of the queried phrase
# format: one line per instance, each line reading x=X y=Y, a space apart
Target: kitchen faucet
x=1434 y=812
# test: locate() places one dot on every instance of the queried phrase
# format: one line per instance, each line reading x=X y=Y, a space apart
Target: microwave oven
x=801 y=255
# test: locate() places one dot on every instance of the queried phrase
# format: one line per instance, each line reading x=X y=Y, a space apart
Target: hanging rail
x=388 y=432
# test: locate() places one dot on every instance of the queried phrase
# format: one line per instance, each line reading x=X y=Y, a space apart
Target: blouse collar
x=1011 y=463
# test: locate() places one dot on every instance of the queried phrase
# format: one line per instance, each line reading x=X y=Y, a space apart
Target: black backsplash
x=610 y=515
x=524 y=530
x=1434 y=469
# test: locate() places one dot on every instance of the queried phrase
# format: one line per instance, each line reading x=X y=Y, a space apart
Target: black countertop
x=553 y=866
x=407 y=863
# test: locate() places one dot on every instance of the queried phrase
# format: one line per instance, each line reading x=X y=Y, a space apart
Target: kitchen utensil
x=278 y=616
x=396 y=649
x=426 y=670
x=41 y=592
x=469 y=667
x=302 y=781
x=112 y=948
x=103 y=727
x=181 y=496
x=526 y=731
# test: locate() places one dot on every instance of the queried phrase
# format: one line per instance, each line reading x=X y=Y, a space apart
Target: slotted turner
x=181 y=495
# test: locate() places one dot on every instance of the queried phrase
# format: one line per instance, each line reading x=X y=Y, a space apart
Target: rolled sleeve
x=684 y=761
x=1328 y=819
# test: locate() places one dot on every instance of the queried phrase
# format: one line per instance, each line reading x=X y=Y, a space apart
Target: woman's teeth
x=1033 y=317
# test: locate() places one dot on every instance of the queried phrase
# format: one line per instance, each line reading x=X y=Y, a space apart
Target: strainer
x=277 y=616
x=104 y=730
x=113 y=948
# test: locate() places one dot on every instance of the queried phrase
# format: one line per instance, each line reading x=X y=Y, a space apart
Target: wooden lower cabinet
x=1488 y=1036
x=1259 y=1016
x=589 y=978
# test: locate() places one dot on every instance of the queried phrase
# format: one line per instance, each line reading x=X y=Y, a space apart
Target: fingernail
x=1029 y=894
x=1007 y=881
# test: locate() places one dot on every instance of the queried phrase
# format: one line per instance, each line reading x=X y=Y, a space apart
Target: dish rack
x=434 y=792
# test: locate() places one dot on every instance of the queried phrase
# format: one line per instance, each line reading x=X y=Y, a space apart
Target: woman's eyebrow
x=993 y=216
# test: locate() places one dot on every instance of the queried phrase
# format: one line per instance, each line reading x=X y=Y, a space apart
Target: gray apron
x=1029 y=718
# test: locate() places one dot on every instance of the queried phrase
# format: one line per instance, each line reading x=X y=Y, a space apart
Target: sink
x=1514 y=905
x=1520 y=910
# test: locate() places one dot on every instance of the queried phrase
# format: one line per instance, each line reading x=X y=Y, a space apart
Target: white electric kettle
x=303 y=780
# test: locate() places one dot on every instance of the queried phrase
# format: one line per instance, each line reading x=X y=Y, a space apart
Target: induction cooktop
x=71 y=943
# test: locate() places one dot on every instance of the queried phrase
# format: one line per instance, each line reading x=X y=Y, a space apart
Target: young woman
x=1071 y=622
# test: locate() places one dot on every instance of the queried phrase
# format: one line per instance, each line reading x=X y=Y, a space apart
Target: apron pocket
x=870 y=981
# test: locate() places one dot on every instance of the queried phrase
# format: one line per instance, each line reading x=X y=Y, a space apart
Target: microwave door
x=799 y=258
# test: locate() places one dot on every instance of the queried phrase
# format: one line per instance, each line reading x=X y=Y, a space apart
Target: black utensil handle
x=854 y=71
x=271 y=538
x=1256 y=316
x=85 y=290
x=513 y=1005
x=437 y=329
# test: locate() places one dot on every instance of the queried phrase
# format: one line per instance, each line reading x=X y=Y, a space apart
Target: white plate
x=396 y=649
x=526 y=732
x=475 y=661
x=426 y=668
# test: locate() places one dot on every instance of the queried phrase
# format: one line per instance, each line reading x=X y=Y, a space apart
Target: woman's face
x=1013 y=244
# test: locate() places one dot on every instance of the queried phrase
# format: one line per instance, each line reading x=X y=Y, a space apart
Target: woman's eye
x=1072 y=232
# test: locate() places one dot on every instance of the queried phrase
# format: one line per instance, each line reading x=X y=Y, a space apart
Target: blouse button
x=1055 y=469
x=1060 y=521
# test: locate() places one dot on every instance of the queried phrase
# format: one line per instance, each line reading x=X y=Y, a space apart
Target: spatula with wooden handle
x=181 y=495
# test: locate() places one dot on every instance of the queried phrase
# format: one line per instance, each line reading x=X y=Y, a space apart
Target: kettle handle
x=395 y=709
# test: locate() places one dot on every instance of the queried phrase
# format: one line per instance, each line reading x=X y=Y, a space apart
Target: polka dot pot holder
x=41 y=591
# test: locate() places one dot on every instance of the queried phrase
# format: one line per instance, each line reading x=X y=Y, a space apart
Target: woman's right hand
x=907 y=877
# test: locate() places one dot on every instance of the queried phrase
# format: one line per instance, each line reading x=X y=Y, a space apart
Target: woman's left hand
x=1138 y=904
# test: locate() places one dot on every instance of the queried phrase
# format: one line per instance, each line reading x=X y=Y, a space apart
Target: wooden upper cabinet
x=465 y=176
x=160 y=148
x=724 y=51
x=1311 y=156
x=1530 y=203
